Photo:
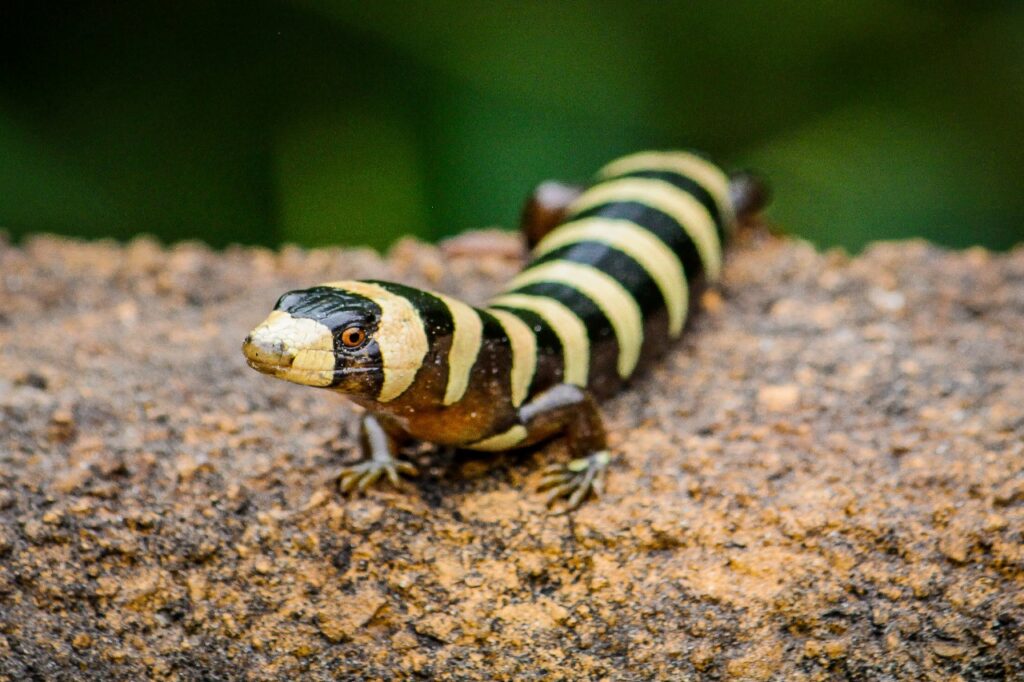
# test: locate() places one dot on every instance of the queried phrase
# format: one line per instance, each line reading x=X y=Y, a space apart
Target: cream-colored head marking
x=703 y=172
x=295 y=349
x=400 y=336
x=654 y=256
x=617 y=304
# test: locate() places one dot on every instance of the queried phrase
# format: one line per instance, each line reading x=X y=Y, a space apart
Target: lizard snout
x=266 y=354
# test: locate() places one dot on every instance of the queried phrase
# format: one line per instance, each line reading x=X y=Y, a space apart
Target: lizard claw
x=575 y=480
x=362 y=475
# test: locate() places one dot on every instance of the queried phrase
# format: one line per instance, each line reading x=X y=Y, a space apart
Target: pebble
x=779 y=398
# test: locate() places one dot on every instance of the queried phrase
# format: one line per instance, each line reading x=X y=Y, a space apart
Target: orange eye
x=353 y=337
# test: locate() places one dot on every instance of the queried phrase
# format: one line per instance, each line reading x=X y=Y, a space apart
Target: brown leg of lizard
x=570 y=409
x=546 y=209
x=379 y=445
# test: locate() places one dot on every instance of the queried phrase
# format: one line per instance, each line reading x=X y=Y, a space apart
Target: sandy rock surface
x=824 y=480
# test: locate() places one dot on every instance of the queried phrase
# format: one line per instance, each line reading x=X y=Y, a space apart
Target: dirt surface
x=824 y=480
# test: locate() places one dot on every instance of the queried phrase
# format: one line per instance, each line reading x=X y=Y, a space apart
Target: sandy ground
x=824 y=480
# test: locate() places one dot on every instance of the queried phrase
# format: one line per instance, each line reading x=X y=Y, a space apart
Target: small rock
x=440 y=626
x=6 y=540
x=317 y=499
x=702 y=657
x=305 y=650
x=141 y=519
x=995 y=523
x=987 y=637
x=835 y=648
x=947 y=650
x=343 y=618
x=361 y=515
x=106 y=587
x=955 y=547
x=711 y=302
x=33 y=379
x=62 y=416
x=1010 y=491
x=70 y=479
x=483 y=243
x=780 y=398
x=403 y=641
x=228 y=425
x=186 y=465
x=35 y=531
x=887 y=301
x=62 y=425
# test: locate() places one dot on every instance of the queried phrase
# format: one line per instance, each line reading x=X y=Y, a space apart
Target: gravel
x=823 y=480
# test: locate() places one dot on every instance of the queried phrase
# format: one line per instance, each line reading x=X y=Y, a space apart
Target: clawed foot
x=575 y=480
x=362 y=475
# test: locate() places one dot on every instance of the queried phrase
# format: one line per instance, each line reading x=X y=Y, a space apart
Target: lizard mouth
x=274 y=360
x=272 y=368
x=266 y=358
x=296 y=350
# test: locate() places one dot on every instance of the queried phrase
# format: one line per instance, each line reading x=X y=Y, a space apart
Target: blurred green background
x=323 y=121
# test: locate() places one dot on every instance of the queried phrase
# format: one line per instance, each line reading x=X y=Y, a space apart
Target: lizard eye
x=353 y=337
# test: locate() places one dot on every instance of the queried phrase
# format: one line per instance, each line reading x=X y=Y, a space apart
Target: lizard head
x=323 y=336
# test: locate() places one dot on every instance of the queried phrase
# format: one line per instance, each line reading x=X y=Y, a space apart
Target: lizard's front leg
x=379 y=445
x=569 y=409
